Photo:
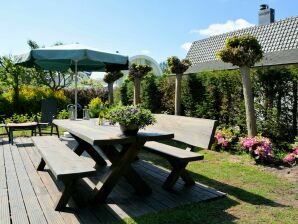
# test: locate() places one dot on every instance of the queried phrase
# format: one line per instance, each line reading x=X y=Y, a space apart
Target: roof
x=279 y=42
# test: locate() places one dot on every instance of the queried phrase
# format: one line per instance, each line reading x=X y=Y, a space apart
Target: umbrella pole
x=76 y=89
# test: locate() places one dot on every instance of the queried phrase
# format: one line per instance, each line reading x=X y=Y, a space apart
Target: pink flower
x=218 y=135
x=289 y=158
x=296 y=151
x=225 y=143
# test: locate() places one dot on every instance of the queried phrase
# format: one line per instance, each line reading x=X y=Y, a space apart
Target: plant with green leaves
x=136 y=73
x=97 y=107
x=178 y=67
x=110 y=78
x=244 y=51
x=63 y=114
x=22 y=118
x=128 y=116
x=13 y=76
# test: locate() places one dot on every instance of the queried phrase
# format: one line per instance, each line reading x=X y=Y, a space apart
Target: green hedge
x=218 y=95
x=29 y=100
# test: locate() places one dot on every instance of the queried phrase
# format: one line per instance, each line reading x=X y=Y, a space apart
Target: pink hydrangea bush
x=291 y=158
x=225 y=138
x=259 y=148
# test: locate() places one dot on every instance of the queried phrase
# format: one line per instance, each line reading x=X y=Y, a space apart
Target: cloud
x=145 y=52
x=186 y=46
x=219 y=28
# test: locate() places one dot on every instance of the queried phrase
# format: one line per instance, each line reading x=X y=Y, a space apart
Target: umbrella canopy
x=63 y=57
x=73 y=56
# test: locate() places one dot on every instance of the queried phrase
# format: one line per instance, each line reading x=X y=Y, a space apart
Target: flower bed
x=226 y=138
x=259 y=147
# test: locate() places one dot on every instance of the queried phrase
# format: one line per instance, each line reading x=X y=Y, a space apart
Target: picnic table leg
x=133 y=178
x=84 y=146
x=178 y=170
x=41 y=165
x=102 y=190
x=39 y=130
x=11 y=135
x=187 y=178
x=62 y=201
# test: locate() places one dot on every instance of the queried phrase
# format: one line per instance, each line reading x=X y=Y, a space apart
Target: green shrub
x=150 y=94
x=22 y=118
x=63 y=114
x=30 y=99
x=96 y=106
x=126 y=92
x=86 y=95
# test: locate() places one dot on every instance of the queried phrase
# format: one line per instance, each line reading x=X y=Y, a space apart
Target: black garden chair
x=49 y=109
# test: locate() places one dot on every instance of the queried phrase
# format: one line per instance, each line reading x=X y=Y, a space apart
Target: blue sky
x=158 y=28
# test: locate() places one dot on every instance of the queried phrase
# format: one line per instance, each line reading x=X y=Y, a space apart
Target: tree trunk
x=295 y=98
x=178 y=94
x=249 y=102
x=111 y=93
x=137 y=90
x=16 y=94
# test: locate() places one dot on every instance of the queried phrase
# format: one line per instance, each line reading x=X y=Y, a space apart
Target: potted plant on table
x=131 y=118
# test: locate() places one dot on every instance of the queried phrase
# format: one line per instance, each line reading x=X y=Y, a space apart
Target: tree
x=110 y=78
x=136 y=73
x=178 y=67
x=151 y=97
x=244 y=51
x=13 y=76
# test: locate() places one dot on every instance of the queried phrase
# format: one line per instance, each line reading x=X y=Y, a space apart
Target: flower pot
x=129 y=130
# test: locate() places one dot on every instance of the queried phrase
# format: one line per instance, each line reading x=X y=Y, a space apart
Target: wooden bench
x=64 y=164
x=192 y=131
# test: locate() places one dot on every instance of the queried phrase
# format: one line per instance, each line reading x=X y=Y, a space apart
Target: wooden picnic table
x=88 y=134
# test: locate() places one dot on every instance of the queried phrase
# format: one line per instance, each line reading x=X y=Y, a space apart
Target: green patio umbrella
x=76 y=57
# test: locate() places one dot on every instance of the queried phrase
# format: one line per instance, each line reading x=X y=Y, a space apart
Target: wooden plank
x=150 y=203
x=17 y=206
x=73 y=214
x=94 y=134
x=193 y=131
x=4 y=204
x=33 y=208
x=111 y=177
x=62 y=161
x=198 y=187
x=91 y=132
x=172 y=152
x=40 y=190
x=85 y=146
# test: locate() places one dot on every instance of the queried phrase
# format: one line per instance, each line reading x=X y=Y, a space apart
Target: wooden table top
x=94 y=134
x=20 y=125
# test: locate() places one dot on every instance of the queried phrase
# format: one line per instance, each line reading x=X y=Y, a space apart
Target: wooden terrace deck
x=27 y=195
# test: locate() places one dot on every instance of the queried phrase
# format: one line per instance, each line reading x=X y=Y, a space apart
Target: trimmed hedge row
x=218 y=95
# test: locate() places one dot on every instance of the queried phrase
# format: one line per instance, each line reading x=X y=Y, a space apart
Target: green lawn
x=253 y=195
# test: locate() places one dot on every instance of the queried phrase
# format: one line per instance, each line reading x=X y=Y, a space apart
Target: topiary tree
x=244 y=51
x=110 y=78
x=178 y=67
x=136 y=73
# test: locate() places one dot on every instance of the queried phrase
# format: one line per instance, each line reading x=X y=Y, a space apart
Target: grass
x=253 y=195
